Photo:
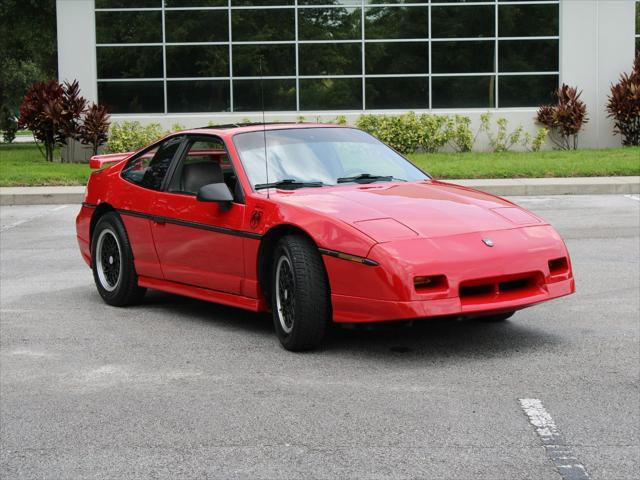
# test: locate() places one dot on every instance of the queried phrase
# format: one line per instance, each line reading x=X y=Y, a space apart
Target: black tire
x=302 y=314
x=112 y=263
x=498 y=317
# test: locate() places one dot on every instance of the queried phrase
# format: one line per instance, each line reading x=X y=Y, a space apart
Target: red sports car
x=316 y=223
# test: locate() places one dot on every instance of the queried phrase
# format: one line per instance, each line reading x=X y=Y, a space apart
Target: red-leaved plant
x=94 y=130
x=624 y=105
x=52 y=112
x=565 y=118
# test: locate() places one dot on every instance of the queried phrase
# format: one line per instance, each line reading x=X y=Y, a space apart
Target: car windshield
x=319 y=156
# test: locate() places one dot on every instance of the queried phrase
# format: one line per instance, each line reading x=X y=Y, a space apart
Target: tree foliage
x=28 y=46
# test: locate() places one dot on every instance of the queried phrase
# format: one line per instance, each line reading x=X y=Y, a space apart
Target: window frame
x=188 y=141
x=142 y=152
x=360 y=7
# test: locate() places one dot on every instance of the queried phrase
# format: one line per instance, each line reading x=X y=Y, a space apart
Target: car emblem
x=488 y=242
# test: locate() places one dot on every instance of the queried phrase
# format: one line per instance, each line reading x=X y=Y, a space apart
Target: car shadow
x=425 y=338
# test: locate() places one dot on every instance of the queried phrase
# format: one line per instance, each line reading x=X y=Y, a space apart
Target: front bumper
x=513 y=274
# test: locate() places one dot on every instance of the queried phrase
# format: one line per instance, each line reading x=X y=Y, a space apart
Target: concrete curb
x=505 y=187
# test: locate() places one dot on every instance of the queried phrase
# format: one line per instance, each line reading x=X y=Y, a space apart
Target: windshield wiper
x=368 y=178
x=288 y=184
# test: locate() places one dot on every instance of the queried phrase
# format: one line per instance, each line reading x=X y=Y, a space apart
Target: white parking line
x=554 y=444
x=633 y=197
x=4 y=228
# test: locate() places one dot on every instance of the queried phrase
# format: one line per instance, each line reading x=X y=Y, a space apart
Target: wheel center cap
x=111 y=260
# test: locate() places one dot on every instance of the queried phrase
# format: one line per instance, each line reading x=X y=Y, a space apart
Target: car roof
x=234 y=128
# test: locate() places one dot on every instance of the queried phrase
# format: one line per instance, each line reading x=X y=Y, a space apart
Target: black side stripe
x=89 y=205
x=185 y=223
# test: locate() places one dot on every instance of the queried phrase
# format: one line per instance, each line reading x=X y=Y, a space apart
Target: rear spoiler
x=100 y=161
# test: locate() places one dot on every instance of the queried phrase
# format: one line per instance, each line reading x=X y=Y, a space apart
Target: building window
x=178 y=56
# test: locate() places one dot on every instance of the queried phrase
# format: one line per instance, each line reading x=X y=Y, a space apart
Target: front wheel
x=299 y=294
x=112 y=263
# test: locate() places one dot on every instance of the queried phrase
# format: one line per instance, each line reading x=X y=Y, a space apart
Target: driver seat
x=197 y=175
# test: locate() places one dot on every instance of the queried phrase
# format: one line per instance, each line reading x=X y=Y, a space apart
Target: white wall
x=77 y=45
x=596 y=45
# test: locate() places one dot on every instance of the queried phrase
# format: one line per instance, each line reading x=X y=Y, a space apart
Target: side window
x=205 y=162
x=149 y=168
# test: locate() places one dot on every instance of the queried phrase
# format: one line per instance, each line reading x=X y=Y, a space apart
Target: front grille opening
x=558 y=266
x=515 y=284
x=477 y=290
x=508 y=287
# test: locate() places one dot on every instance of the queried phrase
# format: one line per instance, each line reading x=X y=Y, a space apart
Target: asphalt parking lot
x=179 y=388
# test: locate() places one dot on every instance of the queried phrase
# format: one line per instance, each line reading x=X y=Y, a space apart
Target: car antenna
x=264 y=127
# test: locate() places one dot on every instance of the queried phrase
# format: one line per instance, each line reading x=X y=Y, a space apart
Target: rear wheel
x=112 y=263
x=498 y=317
x=299 y=294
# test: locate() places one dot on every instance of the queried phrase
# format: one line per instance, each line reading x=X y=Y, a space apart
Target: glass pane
x=637 y=18
x=328 y=2
x=331 y=94
x=377 y=2
x=132 y=97
x=270 y=24
x=394 y=93
x=277 y=60
x=150 y=168
x=528 y=56
x=129 y=27
x=463 y=22
x=396 y=57
x=527 y=20
x=198 y=96
x=128 y=3
x=279 y=95
x=463 y=57
x=196 y=26
x=330 y=58
x=244 y=3
x=195 y=3
x=526 y=90
x=463 y=92
x=198 y=61
x=397 y=22
x=129 y=62
x=329 y=23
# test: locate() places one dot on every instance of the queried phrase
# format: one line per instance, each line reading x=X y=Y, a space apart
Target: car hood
x=428 y=209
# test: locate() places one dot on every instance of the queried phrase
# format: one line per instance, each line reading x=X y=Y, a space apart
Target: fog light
x=431 y=283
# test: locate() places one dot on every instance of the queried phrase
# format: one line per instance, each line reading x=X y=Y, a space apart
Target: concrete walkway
x=512 y=186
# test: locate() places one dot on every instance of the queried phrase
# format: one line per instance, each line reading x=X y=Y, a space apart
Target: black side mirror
x=216 y=192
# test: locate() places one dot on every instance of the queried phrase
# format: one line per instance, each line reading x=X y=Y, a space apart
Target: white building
x=198 y=61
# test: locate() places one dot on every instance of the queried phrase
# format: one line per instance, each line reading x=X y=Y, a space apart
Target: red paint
x=419 y=229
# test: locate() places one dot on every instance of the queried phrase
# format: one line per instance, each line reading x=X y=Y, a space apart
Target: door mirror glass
x=216 y=192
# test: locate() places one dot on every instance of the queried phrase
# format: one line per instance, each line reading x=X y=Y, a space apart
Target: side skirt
x=253 y=304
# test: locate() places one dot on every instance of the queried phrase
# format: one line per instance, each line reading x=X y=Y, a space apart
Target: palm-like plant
x=624 y=105
x=94 y=130
x=565 y=118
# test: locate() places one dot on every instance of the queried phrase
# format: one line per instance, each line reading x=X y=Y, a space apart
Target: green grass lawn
x=22 y=164
x=578 y=163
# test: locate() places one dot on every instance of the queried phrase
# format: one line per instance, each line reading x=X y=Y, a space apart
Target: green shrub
x=503 y=140
x=131 y=136
x=461 y=136
x=426 y=132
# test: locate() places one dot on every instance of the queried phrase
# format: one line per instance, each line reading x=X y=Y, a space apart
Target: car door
x=198 y=242
x=144 y=176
